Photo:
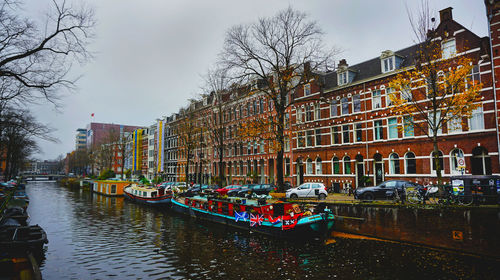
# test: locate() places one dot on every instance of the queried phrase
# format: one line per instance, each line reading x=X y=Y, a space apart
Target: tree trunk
x=437 y=163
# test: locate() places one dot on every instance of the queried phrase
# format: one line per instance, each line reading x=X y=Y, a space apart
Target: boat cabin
x=145 y=191
x=110 y=187
x=229 y=208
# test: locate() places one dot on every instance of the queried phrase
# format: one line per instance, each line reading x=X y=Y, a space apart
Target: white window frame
x=334 y=104
x=477 y=113
x=385 y=64
x=448 y=48
x=454 y=124
x=355 y=130
x=454 y=162
x=376 y=99
x=375 y=130
x=342 y=113
x=342 y=78
x=358 y=96
x=392 y=126
x=318 y=166
x=307 y=89
x=392 y=166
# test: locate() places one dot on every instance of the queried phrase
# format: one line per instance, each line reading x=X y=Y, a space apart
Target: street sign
x=461 y=162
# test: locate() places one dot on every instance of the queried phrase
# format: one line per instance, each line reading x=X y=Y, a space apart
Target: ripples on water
x=97 y=237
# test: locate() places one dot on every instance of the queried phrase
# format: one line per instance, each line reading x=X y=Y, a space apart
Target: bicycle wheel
x=465 y=200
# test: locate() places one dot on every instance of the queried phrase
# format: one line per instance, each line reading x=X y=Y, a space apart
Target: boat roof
x=144 y=188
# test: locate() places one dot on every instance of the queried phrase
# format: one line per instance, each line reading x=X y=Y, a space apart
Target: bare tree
x=282 y=53
x=35 y=60
x=217 y=84
x=17 y=138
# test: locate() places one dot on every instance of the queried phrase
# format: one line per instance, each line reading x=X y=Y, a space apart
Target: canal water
x=97 y=237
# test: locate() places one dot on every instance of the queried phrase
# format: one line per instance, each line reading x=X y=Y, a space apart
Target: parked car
x=385 y=190
x=224 y=190
x=237 y=191
x=263 y=189
x=308 y=190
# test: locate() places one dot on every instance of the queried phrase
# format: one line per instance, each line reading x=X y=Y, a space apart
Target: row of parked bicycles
x=413 y=193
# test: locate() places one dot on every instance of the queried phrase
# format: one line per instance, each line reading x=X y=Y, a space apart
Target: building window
x=410 y=163
x=356 y=103
x=376 y=99
x=454 y=156
x=287 y=167
x=318 y=137
x=345 y=134
x=262 y=146
x=394 y=164
x=476 y=122
x=432 y=126
x=309 y=113
x=481 y=161
x=319 y=166
x=474 y=75
x=359 y=132
x=440 y=161
x=317 y=112
x=448 y=48
x=335 y=135
x=392 y=124
x=333 y=108
x=454 y=123
x=261 y=106
x=300 y=118
x=388 y=64
x=335 y=165
x=287 y=144
x=389 y=92
x=408 y=126
x=342 y=78
x=307 y=89
x=406 y=93
x=344 y=102
x=347 y=165
x=310 y=138
x=300 y=140
x=378 y=130
x=309 y=166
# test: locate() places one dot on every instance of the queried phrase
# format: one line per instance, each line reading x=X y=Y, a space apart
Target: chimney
x=342 y=63
x=446 y=14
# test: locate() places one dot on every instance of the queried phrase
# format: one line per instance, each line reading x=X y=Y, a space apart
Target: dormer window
x=342 y=78
x=448 y=48
x=388 y=64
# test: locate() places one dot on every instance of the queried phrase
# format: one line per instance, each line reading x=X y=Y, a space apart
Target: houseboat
x=148 y=195
x=276 y=219
x=110 y=187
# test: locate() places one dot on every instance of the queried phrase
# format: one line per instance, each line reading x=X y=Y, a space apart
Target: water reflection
x=97 y=237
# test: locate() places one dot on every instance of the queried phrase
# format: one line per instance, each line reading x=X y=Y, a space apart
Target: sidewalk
x=339 y=197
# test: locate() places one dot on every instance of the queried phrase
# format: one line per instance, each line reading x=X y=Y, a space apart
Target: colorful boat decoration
x=276 y=219
x=148 y=195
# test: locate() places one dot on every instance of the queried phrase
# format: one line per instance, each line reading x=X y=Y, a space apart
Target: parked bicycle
x=423 y=194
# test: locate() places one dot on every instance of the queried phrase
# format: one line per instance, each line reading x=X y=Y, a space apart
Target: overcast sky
x=150 y=54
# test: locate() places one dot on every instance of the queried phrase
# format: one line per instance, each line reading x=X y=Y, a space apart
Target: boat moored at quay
x=280 y=219
x=148 y=195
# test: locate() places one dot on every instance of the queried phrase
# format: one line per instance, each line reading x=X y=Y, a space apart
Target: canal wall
x=473 y=230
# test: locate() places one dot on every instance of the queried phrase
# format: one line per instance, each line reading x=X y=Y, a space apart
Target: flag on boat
x=92 y=114
x=272 y=220
x=257 y=219
x=289 y=221
x=241 y=216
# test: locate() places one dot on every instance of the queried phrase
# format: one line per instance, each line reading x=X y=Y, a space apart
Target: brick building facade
x=341 y=130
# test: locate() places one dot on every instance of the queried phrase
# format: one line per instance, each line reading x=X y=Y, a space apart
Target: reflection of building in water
x=110 y=204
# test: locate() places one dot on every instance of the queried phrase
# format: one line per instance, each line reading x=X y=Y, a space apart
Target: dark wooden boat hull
x=317 y=226
x=164 y=200
x=22 y=238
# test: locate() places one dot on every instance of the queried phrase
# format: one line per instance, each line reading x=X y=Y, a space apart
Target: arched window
x=481 y=162
x=319 y=166
x=394 y=164
x=347 y=165
x=309 y=166
x=335 y=165
x=410 y=163
x=440 y=161
x=455 y=154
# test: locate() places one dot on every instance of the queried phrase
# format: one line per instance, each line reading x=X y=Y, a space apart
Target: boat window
x=153 y=194
x=113 y=188
x=143 y=193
